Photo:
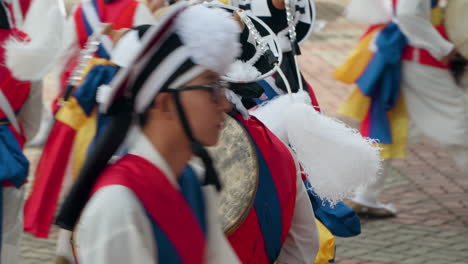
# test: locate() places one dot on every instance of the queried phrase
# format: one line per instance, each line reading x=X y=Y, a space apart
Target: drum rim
x=229 y=229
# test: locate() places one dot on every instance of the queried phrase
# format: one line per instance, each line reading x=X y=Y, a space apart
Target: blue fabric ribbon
x=14 y=165
x=340 y=220
x=267 y=206
x=86 y=94
x=190 y=187
x=381 y=80
x=192 y=192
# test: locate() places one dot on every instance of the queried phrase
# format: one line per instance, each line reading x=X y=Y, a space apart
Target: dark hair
x=106 y=145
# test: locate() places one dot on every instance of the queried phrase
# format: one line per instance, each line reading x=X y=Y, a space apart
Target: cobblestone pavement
x=431 y=195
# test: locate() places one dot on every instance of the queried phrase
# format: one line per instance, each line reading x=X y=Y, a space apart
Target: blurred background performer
x=82 y=22
x=26 y=56
x=405 y=89
x=71 y=134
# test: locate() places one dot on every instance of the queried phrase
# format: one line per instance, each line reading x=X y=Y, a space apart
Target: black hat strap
x=5 y=19
x=211 y=177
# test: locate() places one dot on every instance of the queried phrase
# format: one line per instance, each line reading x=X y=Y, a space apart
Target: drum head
x=456 y=23
x=236 y=162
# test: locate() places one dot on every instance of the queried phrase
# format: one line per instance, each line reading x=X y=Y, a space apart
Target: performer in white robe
x=436 y=105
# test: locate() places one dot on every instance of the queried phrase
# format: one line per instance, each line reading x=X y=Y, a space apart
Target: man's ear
x=164 y=103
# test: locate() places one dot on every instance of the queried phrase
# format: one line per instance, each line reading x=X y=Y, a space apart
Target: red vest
x=248 y=240
x=165 y=205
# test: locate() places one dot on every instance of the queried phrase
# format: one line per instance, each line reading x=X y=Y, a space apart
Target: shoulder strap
x=5 y=106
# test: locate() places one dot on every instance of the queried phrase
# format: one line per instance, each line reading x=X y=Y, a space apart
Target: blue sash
x=192 y=192
x=267 y=207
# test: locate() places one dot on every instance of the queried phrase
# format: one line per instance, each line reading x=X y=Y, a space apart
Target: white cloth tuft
x=211 y=35
x=32 y=60
x=335 y=157
x=240 y=70
x=370 y=11
x=273 y=113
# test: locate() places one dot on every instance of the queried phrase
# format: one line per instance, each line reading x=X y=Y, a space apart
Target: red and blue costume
x=178 y=217
x=260 y=237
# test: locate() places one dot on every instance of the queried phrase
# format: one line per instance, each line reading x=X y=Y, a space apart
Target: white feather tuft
x=336 y=158
x=242 y=71
x=211 y=35
x=273 y=112
x=32 y=60
x=370 y=11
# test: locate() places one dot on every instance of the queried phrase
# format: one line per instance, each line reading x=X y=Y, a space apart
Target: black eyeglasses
x=217 y=89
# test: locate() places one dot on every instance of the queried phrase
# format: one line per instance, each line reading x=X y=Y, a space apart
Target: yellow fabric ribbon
x=357 y=105
x=73 y=115
x=437 y=16
x=358 y=59
x=326 y=251
x=83 y=139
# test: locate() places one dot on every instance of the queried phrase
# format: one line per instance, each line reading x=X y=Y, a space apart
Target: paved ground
x=431 y=195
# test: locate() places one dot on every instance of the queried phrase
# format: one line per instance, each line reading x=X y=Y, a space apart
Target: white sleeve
x=143 y=16
x=302 y=243
x=219 y=250
x=114 y=229
x=413 y=17
x=30 y=114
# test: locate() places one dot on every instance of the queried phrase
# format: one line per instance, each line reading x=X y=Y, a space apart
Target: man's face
x=205 y=108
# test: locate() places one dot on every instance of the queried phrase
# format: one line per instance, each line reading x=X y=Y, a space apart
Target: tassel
x=335 y=157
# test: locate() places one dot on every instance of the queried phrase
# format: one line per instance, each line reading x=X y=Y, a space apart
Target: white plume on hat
x=211 y=35
x=335 y=157
x=32 y=60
